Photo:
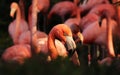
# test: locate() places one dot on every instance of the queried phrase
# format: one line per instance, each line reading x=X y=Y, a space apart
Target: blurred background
x=36 y=65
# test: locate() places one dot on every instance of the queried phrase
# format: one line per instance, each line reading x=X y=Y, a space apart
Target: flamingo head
x=69 y=42
x=76 y=33
x=13 y=8
x=63 y=33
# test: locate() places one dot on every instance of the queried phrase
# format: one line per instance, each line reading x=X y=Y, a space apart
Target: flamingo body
x=19 y=25
x=17 y=53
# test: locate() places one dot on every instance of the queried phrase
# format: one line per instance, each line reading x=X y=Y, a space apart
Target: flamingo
x=33 y=36
x=62 y=10
x=39 y=42
x=89 y=25
x=118 y=12
x=85 y=8
x=19 y=25
x=109 y=13
x=42 y=6
x=63 y=33
x=17 y=53
x=73 y=23
x=98 y=35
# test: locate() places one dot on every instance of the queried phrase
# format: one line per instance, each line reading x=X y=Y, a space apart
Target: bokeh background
x=37 y=65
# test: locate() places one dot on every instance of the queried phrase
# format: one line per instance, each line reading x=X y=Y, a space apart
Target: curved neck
x=30 y=17
x=18 y=18
x=34 y=16
x=118 y=14
x=22 y=6
x=18 y=14
x=51 y=46
x=78 y=14
x=109 y=38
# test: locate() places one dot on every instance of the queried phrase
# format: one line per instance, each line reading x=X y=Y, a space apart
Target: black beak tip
x=70 y=52
x=100 y=23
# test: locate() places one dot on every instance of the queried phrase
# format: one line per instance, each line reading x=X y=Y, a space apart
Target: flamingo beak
x=70 y=44
x=100 y=21
x=101 y=18
x=80 y=37
x=12 y=12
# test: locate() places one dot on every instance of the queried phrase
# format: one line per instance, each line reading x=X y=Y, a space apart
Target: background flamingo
x=73 y=23
x=89 y=26
x=42 y=7
x=38 y=38
x=60 y=12
x=17 y=53
x=85 y=8
x=19 y=25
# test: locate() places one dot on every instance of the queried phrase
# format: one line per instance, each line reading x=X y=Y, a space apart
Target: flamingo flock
x=65 y=24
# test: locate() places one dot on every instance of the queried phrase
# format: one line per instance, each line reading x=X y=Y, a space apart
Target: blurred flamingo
x=63 y=9
x=109 y=14
x=34 y=37
x=17 y=53
x=60 y=12
x=42 y=7
x=19 y=25
x=73 y=23
x=85 y=8
x=116 y=2
x=90 y=23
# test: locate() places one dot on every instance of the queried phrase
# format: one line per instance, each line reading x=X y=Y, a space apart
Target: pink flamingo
x=62 y=10
x=38 y=41
x=34 y=37
x=73 y=23
x=85 y=8
x=118 y=12
x=19 y=25
x=103 y=35
x=42 y=6
x=109 y=13
x=42 y=42
x=17 y=53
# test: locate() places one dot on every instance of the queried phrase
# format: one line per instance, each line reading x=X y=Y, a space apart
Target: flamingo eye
x=65 y=34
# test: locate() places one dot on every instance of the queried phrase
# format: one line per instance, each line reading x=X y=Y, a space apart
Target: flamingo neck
x=51 y=47
x=78 y=14
x=22 y=6
x=30 y=18
x=18 y=15
x=18 y=18
x=109 y=38
x=118 y=14
x=34 y=16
